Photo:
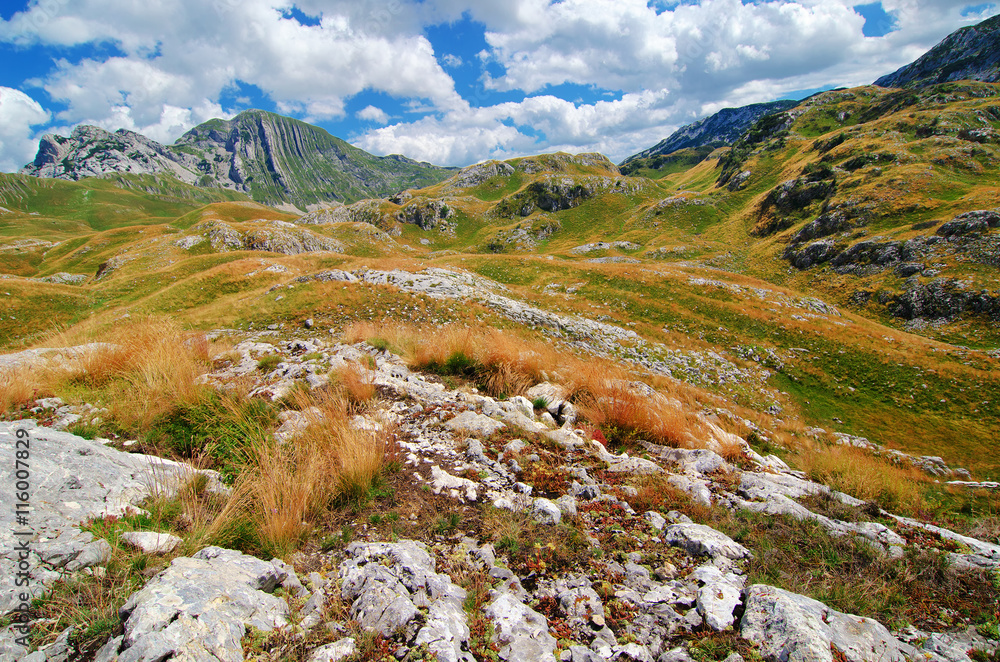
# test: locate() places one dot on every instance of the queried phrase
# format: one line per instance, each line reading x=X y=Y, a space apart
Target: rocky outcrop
x=474 y=175
x=971 y=53
x=525 y=236
x=74 y=479
x=273 y=237
x=788 y=626
x=554 y=193
x=91 y=152
x=365 y=211
x=968 y=237
x=427 y=215
x=199 y=608
x=276 y=160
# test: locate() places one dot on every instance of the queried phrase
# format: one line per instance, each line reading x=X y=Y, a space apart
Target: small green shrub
x=269 y=362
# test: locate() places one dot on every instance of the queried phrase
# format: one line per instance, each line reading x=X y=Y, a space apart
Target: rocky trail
x=440 y=577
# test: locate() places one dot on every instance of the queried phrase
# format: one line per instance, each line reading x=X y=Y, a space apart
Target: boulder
x=698 y=540
x=793 y=628
x=520 y=631
x=200 y=608
x=335 y=652
x=152 y=542
x=472 y=423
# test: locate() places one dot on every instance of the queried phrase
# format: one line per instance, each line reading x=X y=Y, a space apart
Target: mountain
x=971 y=53
x=276 y=160
x=722 y=128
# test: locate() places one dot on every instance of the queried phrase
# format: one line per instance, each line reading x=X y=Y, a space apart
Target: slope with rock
x=970 y=53
x=274 y=159
x=511 y=537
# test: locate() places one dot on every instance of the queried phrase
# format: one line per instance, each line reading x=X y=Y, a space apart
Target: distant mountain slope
x=276 y=160
x=971 y=53
x=722 y=128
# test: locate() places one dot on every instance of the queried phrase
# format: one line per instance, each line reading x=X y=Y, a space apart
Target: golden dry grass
x=144 y=368
x=503 y=363
x=863 y=475
x=285 y=488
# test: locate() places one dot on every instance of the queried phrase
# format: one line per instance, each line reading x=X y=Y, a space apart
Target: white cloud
x=616 y=128
x=182 y=54
x=373 y=114
x=673 y=67
x=18 y=113
x=176 y=58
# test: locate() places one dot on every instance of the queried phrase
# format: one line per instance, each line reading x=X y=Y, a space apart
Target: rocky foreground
x=652 y=585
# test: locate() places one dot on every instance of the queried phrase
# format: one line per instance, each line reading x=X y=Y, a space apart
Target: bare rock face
x=795 y=628
x=276 y=160
x=967 y=54
x=199 y=608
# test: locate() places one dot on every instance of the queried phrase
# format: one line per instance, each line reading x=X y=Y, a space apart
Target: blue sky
x=448 y=81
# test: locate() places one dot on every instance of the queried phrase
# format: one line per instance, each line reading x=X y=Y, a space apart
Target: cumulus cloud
x=373 y=114
x=18 y=113
x=184 y=53
x=512 y=129
x=663 y=64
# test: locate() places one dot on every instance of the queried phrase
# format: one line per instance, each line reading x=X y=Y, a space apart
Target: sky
x=451 y=82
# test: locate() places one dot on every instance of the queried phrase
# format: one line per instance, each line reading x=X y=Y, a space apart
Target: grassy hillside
x=692 y=262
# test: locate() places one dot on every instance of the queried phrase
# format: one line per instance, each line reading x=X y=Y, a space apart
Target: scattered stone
x=152 y=542
x=200 y=608
x=520 y=631
x=698 y=540
x=472 y=423
x=335 y=652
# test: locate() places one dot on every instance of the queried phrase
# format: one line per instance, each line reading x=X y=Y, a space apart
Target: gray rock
x=472 y=423
x=718 y=597
x=795 y=628
x=580 y=654
x=634 y=465
x=93 y=553
x=152 y=542
x=698 y=539
x=387 y=582
x=109 y=651
x=631 y=653
x=545 y=511
x=520 y=631
x=199 y=608
x=674 y=655
x=567 y=505
x=655 y=519
x=335 y=652
x=74 y=479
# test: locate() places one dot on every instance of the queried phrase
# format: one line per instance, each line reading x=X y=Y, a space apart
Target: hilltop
x=718 y=130
x=971 y=53
x=275 y=160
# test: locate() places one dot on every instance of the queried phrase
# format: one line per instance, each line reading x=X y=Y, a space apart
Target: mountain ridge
x=276 y=160
x=717 y=130
x=969 y=53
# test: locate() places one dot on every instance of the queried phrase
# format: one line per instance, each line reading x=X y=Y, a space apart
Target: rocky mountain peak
x=971 y=53
x=277 y=160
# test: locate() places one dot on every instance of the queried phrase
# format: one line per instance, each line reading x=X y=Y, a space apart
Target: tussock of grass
x=865 y=476
x=503 y=364
x=627 y=412
x=355 y=384
x=145 y=369
x=285 y=488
